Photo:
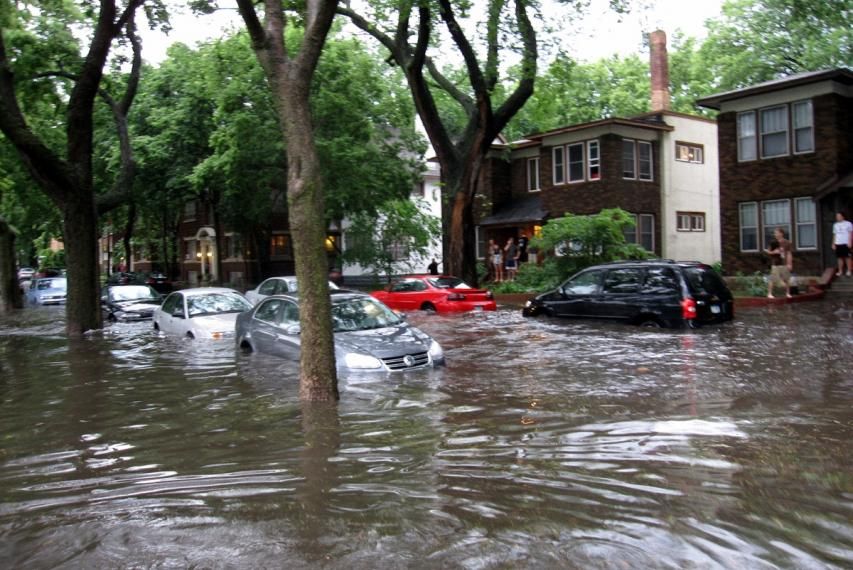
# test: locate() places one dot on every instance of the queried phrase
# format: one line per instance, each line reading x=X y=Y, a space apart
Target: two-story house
x=786 y=161
x=661 y=167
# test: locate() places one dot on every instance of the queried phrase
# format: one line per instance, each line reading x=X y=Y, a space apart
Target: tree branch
x=530 y=54
x=42 y=164
x=465 y=48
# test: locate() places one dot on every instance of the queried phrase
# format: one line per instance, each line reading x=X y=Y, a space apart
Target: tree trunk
x=80 y=236
x=10 y=289
x=128 y=235
x=306 y=211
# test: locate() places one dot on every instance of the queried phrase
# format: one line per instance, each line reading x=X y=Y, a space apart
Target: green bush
x=754 y=285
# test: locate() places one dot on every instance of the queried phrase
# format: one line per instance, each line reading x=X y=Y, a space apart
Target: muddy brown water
x=543 y=444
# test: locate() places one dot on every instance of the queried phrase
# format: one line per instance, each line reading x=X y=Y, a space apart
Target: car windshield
x=133 y=293
x=361 y=314
x=705 y=280
x=51 y=284
x=448 y=283
x=216 y=303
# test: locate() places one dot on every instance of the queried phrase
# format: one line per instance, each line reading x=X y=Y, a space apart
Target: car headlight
x=528 y=304
x=435 y=351
x=356 y=360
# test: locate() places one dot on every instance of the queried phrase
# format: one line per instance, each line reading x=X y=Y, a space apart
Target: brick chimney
x=659 y=65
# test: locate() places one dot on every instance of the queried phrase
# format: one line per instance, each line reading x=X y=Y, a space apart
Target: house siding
x=785 y=177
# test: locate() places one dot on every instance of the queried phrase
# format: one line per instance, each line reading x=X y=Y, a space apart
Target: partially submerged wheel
x=428 y=307
x=650 y=324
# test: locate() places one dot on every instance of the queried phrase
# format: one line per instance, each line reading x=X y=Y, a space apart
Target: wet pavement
x=542 y=444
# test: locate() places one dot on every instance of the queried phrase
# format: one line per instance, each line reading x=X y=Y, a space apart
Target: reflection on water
x=542 y=444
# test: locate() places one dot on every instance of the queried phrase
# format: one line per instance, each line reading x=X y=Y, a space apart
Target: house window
x=629 y=168
x=576 y=165
x=643 y=232
x=806 y=222
x=190 y=210
x=803 y=126
x=279 y=245
x=690 y=221
x=593 y=160
x=398 y=249
x=746 y=136
x=533 y=174
x=644 y=160
x=481 y=242
x=775 y=214
x=748 y=212
x=687 y=152
x=774 y=131
x=559 y=166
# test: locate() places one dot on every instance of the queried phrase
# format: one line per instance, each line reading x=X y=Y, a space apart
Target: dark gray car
x=368 y=335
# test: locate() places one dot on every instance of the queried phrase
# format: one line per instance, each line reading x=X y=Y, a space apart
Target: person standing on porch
x=842 y=243
x=781 y=261
x=510 y=259
x=496 y=261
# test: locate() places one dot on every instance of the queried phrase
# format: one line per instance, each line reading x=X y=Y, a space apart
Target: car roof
x=428 y=276
x=206 y=291
x=639 y=262
x=337 y=295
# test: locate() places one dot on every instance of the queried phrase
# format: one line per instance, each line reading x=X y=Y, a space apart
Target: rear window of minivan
x=705 y=280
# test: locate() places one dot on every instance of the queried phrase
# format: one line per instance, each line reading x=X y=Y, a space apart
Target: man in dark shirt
x=432 y=268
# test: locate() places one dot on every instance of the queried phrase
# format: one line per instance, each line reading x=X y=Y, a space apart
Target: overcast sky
x=599 y=34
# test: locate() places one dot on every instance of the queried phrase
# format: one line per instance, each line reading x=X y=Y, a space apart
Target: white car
x=276 y=286
x=206 y=312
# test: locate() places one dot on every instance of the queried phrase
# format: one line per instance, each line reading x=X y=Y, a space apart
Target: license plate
x=715 y=309
x=477 y=308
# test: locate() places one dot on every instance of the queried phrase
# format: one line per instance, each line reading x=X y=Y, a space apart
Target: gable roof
x=841 y=75
x=641 y=123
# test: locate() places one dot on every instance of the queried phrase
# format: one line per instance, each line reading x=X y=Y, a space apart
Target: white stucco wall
x=690 y=187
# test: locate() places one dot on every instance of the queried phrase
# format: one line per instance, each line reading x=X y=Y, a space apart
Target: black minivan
x=651 y=293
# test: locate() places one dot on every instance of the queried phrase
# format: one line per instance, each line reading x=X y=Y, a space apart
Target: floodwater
x=543 y=444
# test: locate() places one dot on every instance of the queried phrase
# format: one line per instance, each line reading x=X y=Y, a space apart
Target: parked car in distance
x=129 y=302
x=26 y=273
x=368 y=335
x=439 y=293
x=159 y=281
x=125 y=278
x=205 y=312
x=651 y=293
x=276 y=286
x=47 y=291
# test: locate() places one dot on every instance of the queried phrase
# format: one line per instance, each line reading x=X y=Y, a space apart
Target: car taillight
x=456 y=297
x=489 y=295
x=688 y=309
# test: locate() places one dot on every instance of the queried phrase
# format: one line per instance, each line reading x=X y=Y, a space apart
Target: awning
x=525 y=211
x=833 y=185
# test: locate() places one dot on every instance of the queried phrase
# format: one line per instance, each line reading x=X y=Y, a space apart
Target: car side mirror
x=292 y=330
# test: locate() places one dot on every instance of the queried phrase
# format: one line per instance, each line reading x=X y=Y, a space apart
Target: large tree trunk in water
x=318 y=378
x=10 y=289
x=80 y=235
x=128 y=236
x=462 y=248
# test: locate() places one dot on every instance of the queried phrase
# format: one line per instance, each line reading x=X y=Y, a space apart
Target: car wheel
x=190 y=336
x=650 y=324
x=428 y=307
x=246 y=347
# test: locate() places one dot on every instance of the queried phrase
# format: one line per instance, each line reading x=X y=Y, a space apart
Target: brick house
x=661 y=167
x=786 y=160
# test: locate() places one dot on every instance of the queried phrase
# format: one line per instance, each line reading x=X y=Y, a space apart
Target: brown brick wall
x=783 y=177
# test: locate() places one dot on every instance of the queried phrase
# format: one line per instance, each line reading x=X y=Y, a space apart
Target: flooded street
x=542 y=444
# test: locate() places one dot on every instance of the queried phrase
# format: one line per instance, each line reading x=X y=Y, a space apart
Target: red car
x=440 y=293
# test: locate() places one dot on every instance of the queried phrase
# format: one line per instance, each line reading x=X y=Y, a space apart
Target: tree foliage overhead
x=759 y=40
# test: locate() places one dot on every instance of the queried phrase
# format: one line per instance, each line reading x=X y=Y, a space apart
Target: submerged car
x=652 y=293
x=276 y=286
x=206 y=312
x=47 y=291
x=439 y=293
x=368 y=335
x=130 y=302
